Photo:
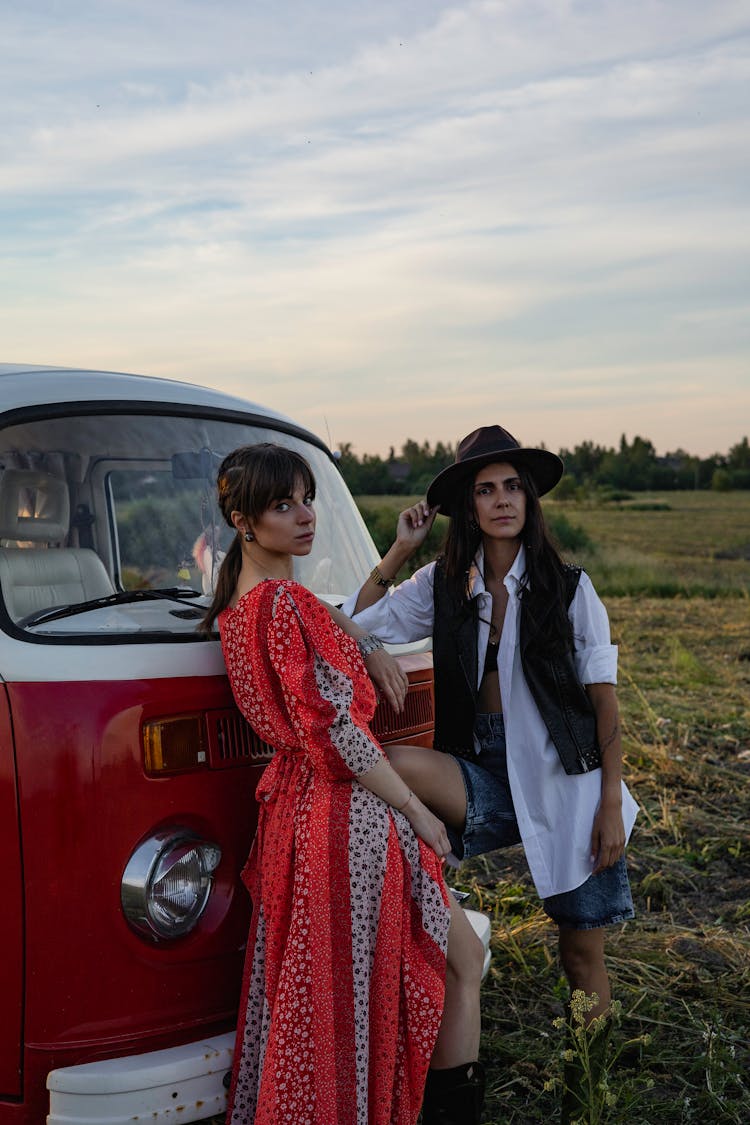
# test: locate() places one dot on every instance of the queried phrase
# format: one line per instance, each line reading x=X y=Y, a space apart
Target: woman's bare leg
x=436 y=778
x=582 y=957
x=455 y=1081
x=458 y=1039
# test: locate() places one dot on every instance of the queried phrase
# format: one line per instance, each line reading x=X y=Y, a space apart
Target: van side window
x=109 y=528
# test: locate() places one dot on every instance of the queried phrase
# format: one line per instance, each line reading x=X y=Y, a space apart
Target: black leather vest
x=552 y=680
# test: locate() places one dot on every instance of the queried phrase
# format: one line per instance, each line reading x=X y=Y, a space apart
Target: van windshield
x=109 y=523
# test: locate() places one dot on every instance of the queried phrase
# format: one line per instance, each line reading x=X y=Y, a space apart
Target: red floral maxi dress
x=344 y=977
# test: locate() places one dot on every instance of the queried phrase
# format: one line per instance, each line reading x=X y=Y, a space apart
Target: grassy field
x=675 y=573
x=682 y=968
x=670 y=543
x=667 y=544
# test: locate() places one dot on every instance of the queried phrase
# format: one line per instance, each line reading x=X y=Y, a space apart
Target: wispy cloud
x=524 y=209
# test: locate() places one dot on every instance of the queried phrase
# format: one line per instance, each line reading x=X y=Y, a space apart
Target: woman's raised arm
x=412 y=529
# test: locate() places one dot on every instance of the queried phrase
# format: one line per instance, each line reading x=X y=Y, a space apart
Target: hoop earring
x=249 y=536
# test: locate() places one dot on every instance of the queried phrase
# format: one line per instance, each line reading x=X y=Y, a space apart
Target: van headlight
x=167 y=881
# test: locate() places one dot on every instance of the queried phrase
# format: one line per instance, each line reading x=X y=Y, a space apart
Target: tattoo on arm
x=611 y=737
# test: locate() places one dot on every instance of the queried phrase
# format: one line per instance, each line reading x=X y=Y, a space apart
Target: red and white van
x=126 y=772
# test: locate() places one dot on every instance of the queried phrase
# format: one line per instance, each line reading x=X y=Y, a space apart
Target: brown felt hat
x=482 y=447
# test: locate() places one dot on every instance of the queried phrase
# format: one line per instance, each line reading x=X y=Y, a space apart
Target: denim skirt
x=602 y=900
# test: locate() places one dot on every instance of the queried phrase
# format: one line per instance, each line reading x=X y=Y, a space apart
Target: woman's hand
x=427 y=826
x=607 y=836
x=414 y=525
x=388 y=675
x=384 y=670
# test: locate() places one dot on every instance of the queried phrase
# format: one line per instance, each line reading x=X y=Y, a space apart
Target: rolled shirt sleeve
x=595 y=655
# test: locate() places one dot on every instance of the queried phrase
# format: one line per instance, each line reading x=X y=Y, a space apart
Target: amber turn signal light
x=174 y=745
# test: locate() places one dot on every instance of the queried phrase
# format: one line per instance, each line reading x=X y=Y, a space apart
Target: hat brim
x=545 y=468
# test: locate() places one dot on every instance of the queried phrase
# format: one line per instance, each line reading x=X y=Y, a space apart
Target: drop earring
x=249 y=536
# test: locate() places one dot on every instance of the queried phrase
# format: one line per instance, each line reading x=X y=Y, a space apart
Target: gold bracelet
x=378 y=579
x=400 y=808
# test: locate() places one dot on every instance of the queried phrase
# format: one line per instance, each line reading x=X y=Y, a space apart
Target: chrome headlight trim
x=167 y=883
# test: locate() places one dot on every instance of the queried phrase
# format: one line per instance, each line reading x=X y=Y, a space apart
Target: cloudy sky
x=390 y=219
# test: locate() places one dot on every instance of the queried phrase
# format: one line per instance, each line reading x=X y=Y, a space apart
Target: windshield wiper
x=123 y=597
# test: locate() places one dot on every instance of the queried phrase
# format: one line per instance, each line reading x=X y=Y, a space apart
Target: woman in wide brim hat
x=484 y=446
x=525 y=706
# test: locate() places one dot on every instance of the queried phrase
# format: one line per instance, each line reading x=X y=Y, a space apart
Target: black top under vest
x=490 y=658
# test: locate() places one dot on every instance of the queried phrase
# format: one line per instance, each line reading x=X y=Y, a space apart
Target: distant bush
x=565 y=490
x=650 y=506
x=721 y=481
x=155 y=532
x=568 y=536
x=381 y=522
x=615 y=495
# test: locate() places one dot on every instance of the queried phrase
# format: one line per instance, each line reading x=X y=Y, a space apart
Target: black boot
x=454 y=1096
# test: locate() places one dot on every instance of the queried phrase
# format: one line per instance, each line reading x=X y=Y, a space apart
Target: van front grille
x=417 y=716
x=232 y=741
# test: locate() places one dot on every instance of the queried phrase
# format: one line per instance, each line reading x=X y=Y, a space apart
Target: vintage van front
x=126 y=773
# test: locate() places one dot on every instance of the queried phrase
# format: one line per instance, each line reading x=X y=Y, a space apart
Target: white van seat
x=35 y=508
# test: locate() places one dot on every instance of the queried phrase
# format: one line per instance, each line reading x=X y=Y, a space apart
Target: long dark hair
x=249 y=480
x=543 y=586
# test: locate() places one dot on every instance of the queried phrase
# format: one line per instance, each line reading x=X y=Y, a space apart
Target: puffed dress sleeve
x=324 y=683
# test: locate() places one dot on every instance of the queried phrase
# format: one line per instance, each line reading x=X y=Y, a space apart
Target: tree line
x=634 y=466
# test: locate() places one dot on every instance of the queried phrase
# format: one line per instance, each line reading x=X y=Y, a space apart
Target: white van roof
x=31 y=385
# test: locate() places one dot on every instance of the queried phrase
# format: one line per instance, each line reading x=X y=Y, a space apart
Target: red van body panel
x=87 y=802
x=11 y=897
x=110 y=539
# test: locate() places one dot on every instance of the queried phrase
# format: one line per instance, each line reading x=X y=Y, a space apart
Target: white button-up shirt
x=555 y=810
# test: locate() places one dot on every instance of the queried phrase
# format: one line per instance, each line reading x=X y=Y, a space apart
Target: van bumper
x=178 y=1084
x=483 y=929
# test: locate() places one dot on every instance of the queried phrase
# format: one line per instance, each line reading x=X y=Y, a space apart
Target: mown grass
x=682 y=968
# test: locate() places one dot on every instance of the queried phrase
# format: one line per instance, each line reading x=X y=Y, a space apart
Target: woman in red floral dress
x=345 y=979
